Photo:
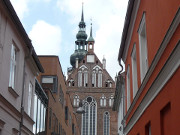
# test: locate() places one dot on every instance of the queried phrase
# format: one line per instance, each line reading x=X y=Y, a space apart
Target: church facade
x=90 y=84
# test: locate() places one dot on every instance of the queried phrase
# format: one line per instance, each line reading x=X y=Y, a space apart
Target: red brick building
x=90 y=83
x=150 y=49
x=60 y=118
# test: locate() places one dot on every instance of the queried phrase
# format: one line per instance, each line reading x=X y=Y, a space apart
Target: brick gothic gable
x=101 y=92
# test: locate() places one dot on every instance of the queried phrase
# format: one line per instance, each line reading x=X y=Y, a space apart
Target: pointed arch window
x=76 y=101
x=111 y=100
x=103 y=101
x=108 y=83
x=106 y=123
x=79 y=78
x=89 y=119
x=93 y=79
x=71 y=82
x=100 y=79
x=85 y=79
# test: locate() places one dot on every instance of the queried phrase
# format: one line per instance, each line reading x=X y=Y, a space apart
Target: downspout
x=23 y=89
x=122 y=98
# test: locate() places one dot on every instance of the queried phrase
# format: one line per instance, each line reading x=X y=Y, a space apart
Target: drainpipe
x=23 y=89
x=119 y=75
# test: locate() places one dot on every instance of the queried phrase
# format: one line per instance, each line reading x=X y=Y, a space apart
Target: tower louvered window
x=89 y=118
x=106 y=124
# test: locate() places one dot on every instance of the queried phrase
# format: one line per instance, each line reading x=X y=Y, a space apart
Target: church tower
x=89 y=82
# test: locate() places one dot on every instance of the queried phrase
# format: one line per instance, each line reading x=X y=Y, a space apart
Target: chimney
x=104 y=63
x=76 y=63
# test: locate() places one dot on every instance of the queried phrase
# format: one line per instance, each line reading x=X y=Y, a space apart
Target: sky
x=52 y=26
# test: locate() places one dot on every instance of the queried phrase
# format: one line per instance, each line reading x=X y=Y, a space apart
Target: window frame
x=143 y=47
x=29 y=104
x=134 y=70
x=55 y=82
x=128 y=102
x=13 y=66
x=106 y=123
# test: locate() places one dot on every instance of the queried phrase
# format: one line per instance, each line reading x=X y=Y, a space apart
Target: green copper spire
x=80 y=43
x=82 y=16
x=91 y=39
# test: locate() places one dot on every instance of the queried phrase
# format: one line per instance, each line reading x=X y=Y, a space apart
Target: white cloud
x=46 y=38
x=108 y=20
x=20 y=7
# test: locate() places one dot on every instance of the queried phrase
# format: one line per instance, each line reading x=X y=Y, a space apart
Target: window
x=85 y=79
x=134 y=71
x=73 y=127
x=128 y=88
x=100 y=79
x=70 y=119
x=166 y=119
x=148 y=129
x=143 y=48
x=106 y=124
x=40 y=101
x=89 y=119
x=111 y=100
x=29 y=98
x=66 y=113
x=79 y=79
x=76 y=101
x=108 y=83
x=50 y=82
x=61 y=96
x=103 y=101
x=90 y=46
x=93 y=79
x=12 y=67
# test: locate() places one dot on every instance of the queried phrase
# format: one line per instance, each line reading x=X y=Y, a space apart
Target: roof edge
x=125 y=29
x=24 y=35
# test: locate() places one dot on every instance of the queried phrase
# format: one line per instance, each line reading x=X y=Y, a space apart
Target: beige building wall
x=12 y=32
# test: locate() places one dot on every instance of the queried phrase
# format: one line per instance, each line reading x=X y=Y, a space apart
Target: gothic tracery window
x=71 y=82
x=89 y=118
x=76 y=101
x=97 y=76
x=103 y=101
x=83 y=76
x=111 y=100
x=108 y=83
x=106 y=123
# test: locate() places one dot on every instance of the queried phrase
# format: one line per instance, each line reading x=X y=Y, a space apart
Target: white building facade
x=19 y=67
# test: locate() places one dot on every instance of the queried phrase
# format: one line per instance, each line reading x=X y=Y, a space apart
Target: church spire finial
x=82 y=16
x=91 y=29
x=91 y=39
